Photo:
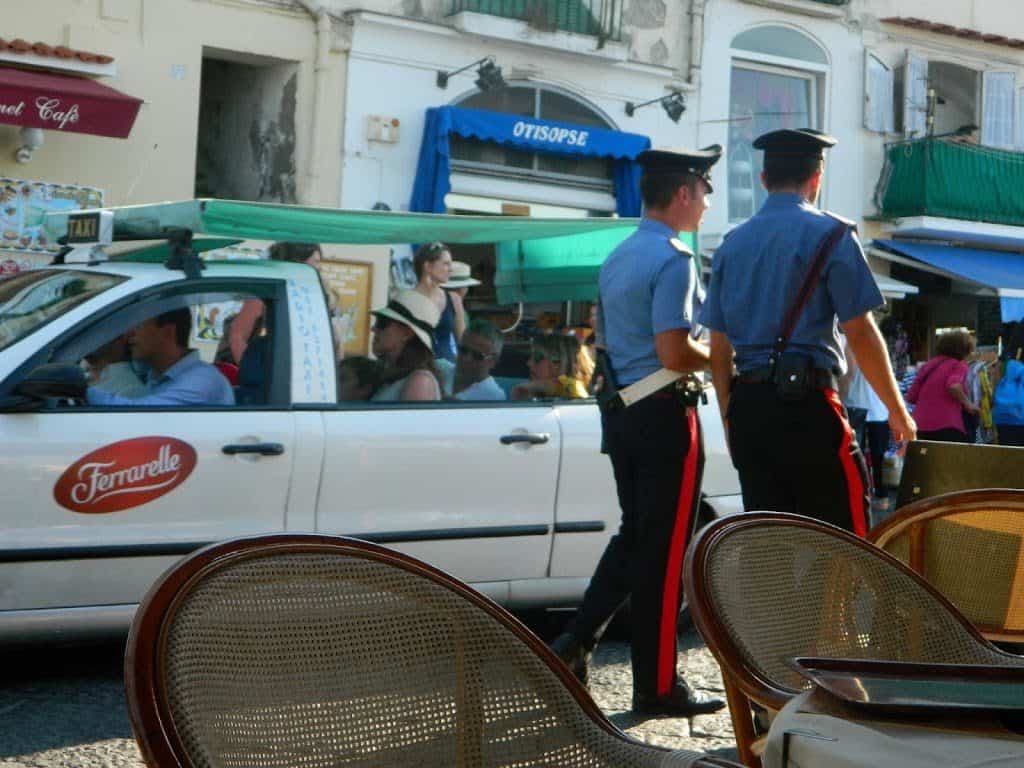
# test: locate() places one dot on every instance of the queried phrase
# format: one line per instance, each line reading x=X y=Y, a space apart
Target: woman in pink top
x=939 y=393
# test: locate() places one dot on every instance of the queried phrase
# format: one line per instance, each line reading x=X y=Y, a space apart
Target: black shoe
x=681 y=702
x=574 y=655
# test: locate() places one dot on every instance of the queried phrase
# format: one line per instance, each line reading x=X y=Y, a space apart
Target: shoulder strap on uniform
x=850 y=223
x=807 y=287
x=680 y=246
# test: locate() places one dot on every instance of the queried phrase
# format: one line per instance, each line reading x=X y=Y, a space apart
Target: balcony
x=598 y=18
x=946 y=178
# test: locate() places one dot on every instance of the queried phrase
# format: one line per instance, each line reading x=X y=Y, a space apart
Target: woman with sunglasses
x=559 y=368
x=403 y=339
x=433 y=266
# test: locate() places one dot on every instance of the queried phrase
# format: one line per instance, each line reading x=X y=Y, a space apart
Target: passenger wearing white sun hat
x=403 y=339
x=460 y=279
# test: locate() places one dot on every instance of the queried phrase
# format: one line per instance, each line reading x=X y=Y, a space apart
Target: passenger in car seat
x=176 y=374
x=358 y=379
x=110 y=369
x=559 y=367
x=479 y=350
x=403 y=338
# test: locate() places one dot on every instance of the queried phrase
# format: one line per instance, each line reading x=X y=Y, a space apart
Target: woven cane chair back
x=968 y=545
x=315 y=651
x=764 y=588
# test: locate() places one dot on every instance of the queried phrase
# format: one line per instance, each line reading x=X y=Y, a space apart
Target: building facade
x=238 y=100
x=395 y=104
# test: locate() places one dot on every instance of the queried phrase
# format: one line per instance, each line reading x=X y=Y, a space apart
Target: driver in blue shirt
x=176 y=374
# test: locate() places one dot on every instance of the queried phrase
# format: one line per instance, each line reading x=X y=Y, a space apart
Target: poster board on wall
x=23 y=205
x=349 y=286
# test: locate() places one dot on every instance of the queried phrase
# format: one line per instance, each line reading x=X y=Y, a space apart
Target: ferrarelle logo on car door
x=125 y=474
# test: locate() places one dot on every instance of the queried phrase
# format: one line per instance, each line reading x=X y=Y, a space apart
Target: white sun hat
x=460 y=277
x=414 y=310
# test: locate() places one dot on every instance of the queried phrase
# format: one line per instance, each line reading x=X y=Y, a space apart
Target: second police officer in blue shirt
x=647 y=291
x=788 y=433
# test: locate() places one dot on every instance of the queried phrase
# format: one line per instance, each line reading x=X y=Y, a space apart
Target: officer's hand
x=903 y=428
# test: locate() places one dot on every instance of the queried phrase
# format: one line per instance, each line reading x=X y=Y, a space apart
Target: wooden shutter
x=878 y=95
x=997 y=90
x=915 y=96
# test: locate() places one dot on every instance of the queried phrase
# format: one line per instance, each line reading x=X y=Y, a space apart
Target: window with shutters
x=940 y=98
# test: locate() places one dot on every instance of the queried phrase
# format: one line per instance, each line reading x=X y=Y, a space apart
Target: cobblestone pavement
x=64 y=708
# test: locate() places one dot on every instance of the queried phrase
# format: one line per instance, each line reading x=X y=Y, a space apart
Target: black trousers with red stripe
x=657 y=456
x=799 y=457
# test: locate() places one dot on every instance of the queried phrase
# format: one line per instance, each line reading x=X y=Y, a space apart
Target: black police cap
x=799 y=142
x=695 y=162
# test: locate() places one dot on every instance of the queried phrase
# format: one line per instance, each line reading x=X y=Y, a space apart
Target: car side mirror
x=60 y=380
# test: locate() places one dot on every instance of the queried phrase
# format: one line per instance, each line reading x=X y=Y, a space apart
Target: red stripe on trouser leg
x=854 y=481
x=676 y=550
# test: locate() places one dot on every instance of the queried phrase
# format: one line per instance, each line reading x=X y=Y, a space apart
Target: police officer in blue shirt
x=788 y=433
x=647 y=288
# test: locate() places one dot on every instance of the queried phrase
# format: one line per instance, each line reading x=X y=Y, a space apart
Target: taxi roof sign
x=91 y=228
x=275 y=221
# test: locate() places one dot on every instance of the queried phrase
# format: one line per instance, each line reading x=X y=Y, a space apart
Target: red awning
x=65 y=103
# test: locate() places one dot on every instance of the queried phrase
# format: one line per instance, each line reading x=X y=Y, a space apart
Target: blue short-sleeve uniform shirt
x=757 y=272
x=646 y=287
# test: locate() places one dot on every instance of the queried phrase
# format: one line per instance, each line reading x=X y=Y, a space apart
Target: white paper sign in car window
x=310 y=367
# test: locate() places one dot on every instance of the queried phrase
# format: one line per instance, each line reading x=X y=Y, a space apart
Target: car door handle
x=263 y=449
x=533 y=438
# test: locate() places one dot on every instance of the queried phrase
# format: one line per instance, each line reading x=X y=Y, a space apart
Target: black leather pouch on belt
x=690 y=391
x=793 y=375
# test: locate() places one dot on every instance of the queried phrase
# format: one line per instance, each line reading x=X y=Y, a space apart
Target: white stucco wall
x=392 y=72
x=840 y=99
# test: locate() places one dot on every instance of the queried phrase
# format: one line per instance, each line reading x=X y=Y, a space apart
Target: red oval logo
x=125 y=474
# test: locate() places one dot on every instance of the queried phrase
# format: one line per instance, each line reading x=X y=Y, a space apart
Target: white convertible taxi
x=512 y=497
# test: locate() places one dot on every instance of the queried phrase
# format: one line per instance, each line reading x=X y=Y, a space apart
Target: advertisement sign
x=125 y=474
x=349 y=290
x=24 y=204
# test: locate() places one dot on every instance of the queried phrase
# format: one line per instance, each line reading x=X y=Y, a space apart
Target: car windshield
x=31 y=300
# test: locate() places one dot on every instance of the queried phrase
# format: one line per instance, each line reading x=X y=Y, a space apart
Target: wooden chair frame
x=744 y=684
x=148 y=707
x=912 y=518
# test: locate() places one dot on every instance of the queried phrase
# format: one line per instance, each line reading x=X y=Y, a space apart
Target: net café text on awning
x=50 y=111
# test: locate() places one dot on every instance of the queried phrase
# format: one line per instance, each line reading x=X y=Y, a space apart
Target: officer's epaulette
x=848 y=222
x=680 y=246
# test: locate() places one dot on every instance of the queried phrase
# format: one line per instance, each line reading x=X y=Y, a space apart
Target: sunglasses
x=538 y=355
x=380 y=322
x=474 y=354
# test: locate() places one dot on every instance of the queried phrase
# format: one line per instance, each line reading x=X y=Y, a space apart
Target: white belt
x=648 y=385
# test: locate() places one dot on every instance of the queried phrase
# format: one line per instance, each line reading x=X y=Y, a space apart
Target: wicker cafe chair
x=763 y=588
x=283 y=650
x=967 y=544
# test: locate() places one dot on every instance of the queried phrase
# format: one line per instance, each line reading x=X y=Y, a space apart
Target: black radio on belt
x=792 y=373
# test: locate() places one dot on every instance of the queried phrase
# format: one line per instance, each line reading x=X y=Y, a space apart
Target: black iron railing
x=600 y=18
